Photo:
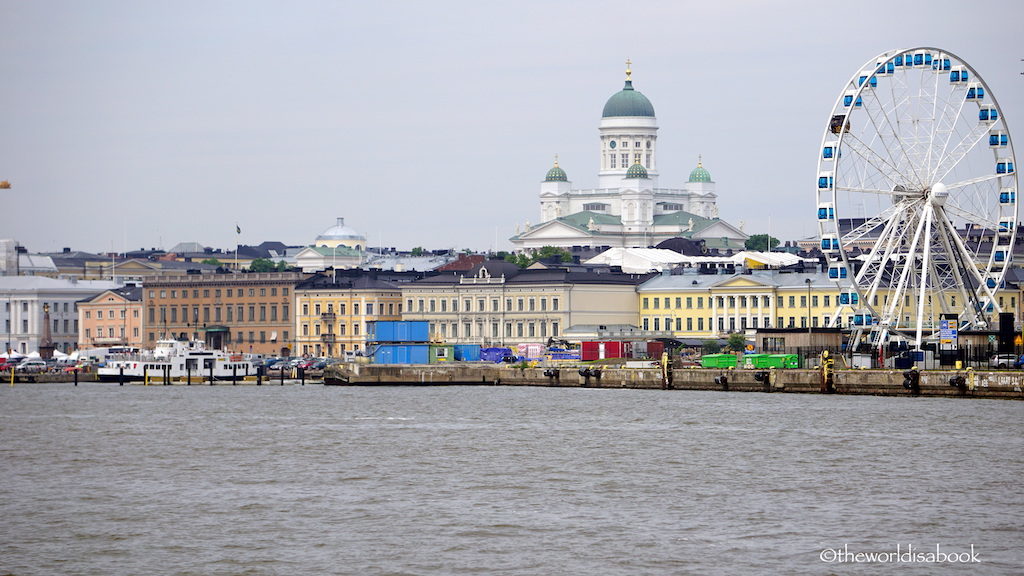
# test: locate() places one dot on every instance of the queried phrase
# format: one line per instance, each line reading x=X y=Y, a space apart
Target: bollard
x=234 y=375
x=723 y=381
x=211 y=374
x=76 y=376
x=912 y=381
x=188 y=374
x=282 y=376
x=302 y=375
x=259 y=376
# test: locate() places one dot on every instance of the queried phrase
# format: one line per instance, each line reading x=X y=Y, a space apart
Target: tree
x=523 y=259
x=211 y=262
x=711 y=347
x=761 y=242
x=737 y=341
x=262 y=265
x=417 y=251
x=282 y=266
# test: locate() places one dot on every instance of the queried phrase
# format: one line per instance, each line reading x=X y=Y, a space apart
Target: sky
x=128 y=124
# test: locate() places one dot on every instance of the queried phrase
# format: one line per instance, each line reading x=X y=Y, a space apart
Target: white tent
x=57 y=354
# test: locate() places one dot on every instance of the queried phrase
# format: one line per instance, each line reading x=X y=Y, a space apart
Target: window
x=636 y=144
x=263 y=337
x=533 y=306
x=88 y=314
x=305 y=329
x=480 y=305
x=519 y=306
x=231 y=292
x=645 y=305
x=792 y=302
x=467 y=305
x=612 y=163
x=273 y=291
x=494 y=307
x=531 y=330
x=252 y=313
x=433 y=305
x=689 y=324
x=263 y=292
x=519 y=329
x=263 y=312
x=803 y=301
x=420 y=305
x=625 y=160
x=355 y=308
x=554 y=328
x=369 y=308
x=444 y=305
x=206 y=293
x=700 y=302
x=273 y=312
x=657 y=303
x=554 y=305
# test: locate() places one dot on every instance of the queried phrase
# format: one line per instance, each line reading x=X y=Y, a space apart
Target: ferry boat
x=182 y=358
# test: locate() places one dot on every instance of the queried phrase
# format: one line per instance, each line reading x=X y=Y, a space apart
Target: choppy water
x=102 y=479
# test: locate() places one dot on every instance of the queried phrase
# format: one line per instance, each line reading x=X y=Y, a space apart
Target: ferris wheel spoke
x=972 y=217
x=950 y=161
x=885 y=167
x=974 y=181
x=973 y=284
x=871 y=224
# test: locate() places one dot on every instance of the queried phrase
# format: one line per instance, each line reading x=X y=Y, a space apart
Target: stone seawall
x=981 y=384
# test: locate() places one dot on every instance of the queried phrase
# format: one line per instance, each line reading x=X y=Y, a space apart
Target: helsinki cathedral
x=628 y=208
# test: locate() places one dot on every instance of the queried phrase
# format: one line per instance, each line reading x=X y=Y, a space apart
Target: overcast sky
x=128 y=124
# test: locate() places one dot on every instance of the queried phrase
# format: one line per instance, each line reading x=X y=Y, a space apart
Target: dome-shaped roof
x=340 y=232
x=700 y=174
x=636 y=171
x=556 y=174
x=628 y=102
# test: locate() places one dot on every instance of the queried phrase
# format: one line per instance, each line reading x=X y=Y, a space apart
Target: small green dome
x=700 y=174
x=636 y=171
x=628 y=102
x=556 y=174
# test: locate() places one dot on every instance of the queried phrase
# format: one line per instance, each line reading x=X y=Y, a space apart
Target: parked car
x=30 y=366
x=1002 y=360
x=1019 y=363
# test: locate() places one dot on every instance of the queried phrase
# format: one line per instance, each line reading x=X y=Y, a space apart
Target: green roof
x=699 y=174
x=628 y=102
x=556 y=174
x=636 y=171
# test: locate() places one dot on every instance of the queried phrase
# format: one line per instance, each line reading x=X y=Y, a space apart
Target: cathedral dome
x=556 y=174
x=700 y=174
x=636 y=171
x=628 y=102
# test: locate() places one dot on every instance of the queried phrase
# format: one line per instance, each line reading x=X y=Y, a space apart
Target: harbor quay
x=992 y=384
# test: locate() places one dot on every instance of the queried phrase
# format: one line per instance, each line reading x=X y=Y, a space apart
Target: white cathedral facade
x=628 y=208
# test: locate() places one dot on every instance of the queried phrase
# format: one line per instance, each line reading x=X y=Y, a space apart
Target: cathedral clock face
x=612 y=144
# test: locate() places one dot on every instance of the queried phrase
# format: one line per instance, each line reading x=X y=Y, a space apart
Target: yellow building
x=711 y=305
x=333 y=309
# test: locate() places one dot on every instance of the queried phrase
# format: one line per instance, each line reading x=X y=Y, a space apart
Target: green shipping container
x=442 y=353
x=785 y=360
x=756 y=361
x=718 y=361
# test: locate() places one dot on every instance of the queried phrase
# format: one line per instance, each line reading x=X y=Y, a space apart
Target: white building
x=629 y=208
x=21 y=310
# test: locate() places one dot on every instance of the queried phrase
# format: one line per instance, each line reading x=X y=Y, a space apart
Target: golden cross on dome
x=628 y=71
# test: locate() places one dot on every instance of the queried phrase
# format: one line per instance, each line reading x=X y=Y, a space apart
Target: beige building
x=498 y=304
x=241 y=312
x=333 y=309
x=112 y=318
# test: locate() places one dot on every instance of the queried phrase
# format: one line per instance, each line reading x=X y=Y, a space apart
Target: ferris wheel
x=917 y=197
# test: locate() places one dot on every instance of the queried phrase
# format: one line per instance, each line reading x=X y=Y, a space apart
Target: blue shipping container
x=398 y=331
x=467 y=352
x=402 y=354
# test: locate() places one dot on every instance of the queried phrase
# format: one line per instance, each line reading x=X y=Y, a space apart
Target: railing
x=327 y=317
x=327 y=338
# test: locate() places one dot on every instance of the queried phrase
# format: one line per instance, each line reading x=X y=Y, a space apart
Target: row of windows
x=625 y=144
x=110 y=314
x=220 y=313
x=521 y=305
x=342 y=330
x=625 y=161
x=666 y=302
x=109 y=331
x=240 y=337
x=54 y=307
x=481 y=330
x=183 y=293
x=370 y=308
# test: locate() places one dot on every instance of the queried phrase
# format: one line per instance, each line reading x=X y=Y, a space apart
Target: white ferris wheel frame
x=920 y=216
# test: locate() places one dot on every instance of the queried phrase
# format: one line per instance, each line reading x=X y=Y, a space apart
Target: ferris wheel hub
x=938 y=194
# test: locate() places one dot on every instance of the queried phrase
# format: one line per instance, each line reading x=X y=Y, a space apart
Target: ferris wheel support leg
x=923 y=288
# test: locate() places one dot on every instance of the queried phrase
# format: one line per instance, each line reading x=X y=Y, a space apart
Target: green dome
x=628 y=102
x=636 y=171
x=699 y=174
x=556 y=174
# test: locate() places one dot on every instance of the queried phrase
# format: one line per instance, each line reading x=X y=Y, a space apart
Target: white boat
x=183 y=359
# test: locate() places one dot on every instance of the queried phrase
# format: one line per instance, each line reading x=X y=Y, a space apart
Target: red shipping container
x=655 y=349
x=608 y=349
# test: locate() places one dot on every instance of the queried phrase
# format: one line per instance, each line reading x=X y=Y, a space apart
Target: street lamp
x=808 y=282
